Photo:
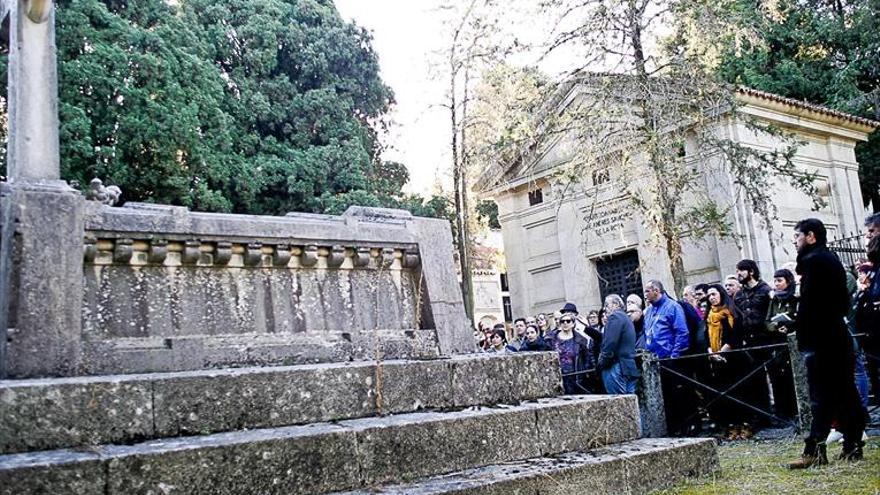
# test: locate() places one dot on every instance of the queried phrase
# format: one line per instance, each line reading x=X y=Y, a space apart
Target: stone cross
x=33 y=151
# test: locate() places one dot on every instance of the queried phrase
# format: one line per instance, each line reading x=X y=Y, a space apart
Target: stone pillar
x=33 y=153
x=446 y=309
x=801 y=387
x=652 y=409
x=40 y=280
x=41 y=217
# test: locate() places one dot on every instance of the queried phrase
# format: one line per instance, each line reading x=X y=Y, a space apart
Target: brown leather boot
x=814 y=455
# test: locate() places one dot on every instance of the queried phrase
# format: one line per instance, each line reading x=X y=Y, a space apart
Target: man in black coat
x=617 y=357
x=753 y=300
x=826 y=345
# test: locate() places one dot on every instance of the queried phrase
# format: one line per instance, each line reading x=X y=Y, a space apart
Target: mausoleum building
x=579 y=244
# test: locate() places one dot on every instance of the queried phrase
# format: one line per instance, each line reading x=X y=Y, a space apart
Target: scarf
x=715 y=327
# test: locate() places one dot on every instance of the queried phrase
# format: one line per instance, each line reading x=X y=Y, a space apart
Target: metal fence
x=850 y=249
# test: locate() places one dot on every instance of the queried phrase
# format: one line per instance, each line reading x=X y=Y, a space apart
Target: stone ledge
x=125 y=355
x=43 y=414
x=315 y=458
x=640 y=466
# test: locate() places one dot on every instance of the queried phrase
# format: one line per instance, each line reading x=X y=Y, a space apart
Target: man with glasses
x=826 y=346
x=617 y=357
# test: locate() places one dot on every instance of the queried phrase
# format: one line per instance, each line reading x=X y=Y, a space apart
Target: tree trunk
x=460 y=214
x=668 y=219
x=467 y=278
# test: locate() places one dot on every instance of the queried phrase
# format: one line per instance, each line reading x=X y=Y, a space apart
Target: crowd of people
x=721 y=333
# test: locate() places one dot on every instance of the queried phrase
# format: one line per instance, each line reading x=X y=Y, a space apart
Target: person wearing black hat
x=580 y=325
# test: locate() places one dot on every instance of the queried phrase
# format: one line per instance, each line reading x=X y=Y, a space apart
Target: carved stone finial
x=38 y=10
x=108 y=195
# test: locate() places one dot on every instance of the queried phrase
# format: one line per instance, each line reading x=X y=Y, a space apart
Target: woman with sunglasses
x=573 y=349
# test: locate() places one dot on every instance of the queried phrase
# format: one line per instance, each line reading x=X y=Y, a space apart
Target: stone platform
x=470 y=424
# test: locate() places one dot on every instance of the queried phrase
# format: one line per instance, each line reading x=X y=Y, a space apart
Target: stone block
x=585 y=422
x=504 y=378
x=642 y=466
x=43 y=473
x=198 y=352
x=41 y=280
x=50 y=414
x=407 y=447
x=395 y=344
x=637 y=467
x=293 y=460
x=409 y=386
x=225 y=400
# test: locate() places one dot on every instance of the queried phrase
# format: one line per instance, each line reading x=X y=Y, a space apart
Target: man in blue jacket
x=667 y=336
x=666 y=331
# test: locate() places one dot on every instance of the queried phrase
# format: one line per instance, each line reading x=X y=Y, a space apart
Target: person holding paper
x=783 y=305
x=780 y=321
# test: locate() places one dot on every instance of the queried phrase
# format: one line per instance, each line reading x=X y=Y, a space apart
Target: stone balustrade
x=167 y=289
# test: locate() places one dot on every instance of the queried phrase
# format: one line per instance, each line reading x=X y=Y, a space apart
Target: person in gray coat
x=617 y=356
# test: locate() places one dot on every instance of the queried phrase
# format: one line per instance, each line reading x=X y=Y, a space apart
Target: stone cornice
x=791 y=106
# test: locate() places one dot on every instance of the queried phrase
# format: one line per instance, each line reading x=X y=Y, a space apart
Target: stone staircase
x=467 y=424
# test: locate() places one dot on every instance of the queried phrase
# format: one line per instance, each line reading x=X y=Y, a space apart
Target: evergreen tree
x=825 y=52
x=249 y=106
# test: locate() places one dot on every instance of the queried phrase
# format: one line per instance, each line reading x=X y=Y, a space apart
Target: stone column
x=801 y=387
x=33 y=93
x=652 y=409
x=41 y=217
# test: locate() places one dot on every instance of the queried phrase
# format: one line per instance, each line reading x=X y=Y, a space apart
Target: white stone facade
x=555 y=248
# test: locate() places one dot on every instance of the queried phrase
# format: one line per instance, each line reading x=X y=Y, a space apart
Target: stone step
x=46 y=414
x=327 y=457
x=639 y=466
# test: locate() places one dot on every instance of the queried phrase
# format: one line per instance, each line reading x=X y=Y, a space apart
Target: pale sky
x=405 y=33
x=408 y=35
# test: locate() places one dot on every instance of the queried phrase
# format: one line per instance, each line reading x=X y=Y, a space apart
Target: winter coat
x=696 y=328
x=782 y=303
x=753 y=303
x=583 y=360
x=666 y=331
x=619 y=344
x=824 y=303
x=538 y=345
x=867 y=304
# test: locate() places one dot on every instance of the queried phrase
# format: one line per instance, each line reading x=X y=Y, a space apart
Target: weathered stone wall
x=166 y=289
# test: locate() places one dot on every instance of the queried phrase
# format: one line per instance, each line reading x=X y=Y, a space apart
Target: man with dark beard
x=753 y=300
x=826 y=345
